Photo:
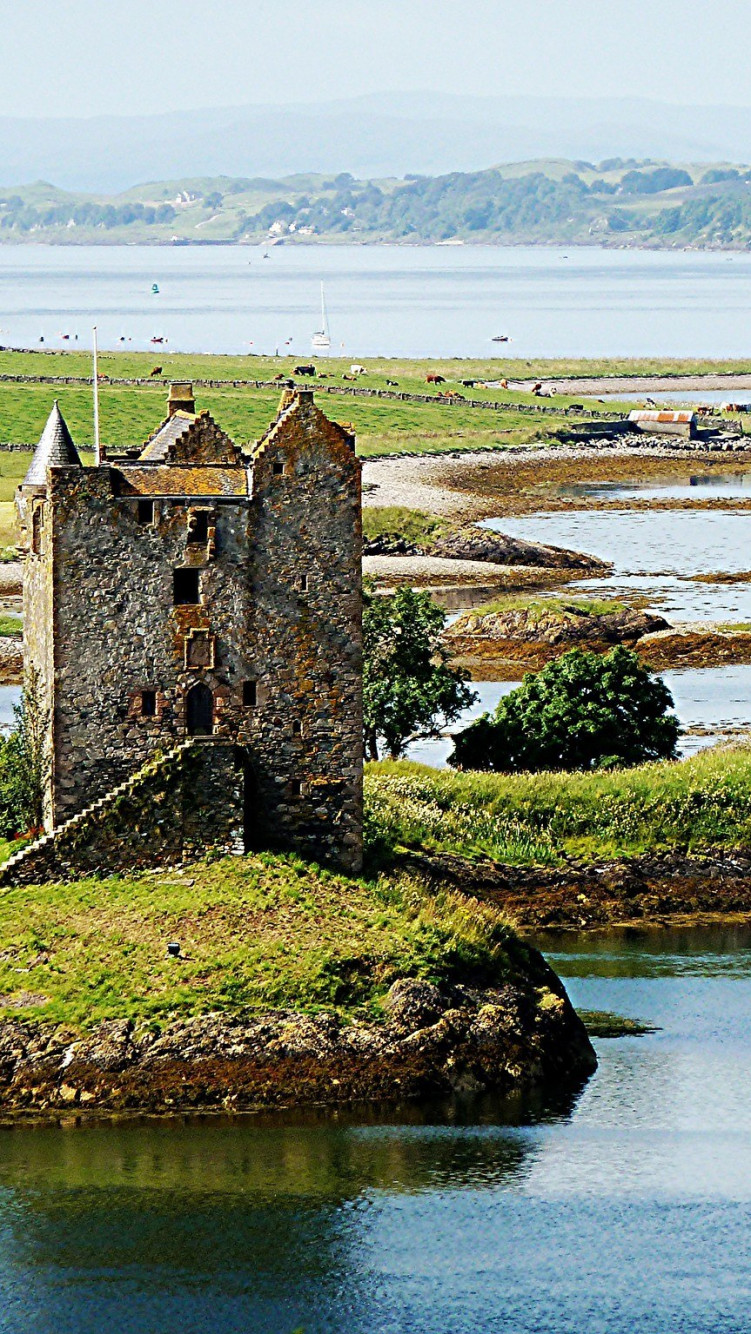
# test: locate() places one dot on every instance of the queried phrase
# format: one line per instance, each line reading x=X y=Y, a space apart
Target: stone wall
x=275 y=636
x=173 y=809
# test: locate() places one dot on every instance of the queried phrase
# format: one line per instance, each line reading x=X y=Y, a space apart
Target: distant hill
x=622 y=202
x=372 y=136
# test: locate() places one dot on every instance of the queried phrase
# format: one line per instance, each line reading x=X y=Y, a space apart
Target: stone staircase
x=70 y=832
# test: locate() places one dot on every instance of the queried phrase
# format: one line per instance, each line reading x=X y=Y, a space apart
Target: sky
x=87 y=57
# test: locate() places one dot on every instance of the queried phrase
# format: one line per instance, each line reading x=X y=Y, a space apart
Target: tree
x=582 y=711
x=24 y=765
x=409 y=692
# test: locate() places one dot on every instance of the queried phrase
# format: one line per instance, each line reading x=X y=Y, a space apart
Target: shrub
x=579 y=712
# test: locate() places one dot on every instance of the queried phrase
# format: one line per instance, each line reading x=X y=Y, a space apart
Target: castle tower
x=190 y=588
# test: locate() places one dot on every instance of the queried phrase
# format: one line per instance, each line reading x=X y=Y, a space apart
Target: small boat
x=501 y=338
x=155 y=288
x=321 y=341
x=158 y=340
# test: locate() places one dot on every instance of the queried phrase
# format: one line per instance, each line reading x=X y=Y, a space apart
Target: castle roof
x=202 y=482
x=55 y=450
x=157 y=446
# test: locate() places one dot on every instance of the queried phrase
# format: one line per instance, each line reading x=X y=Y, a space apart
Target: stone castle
x=196 y=599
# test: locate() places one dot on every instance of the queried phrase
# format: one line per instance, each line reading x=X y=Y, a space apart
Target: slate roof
x=55 y=450
x=157 y=446
x=182 y=480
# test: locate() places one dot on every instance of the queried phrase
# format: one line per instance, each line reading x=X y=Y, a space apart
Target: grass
x=383 y=426
x=397 y=521
x=10 y=625
x=257 y=932
x=541 y=819
x=538 y=608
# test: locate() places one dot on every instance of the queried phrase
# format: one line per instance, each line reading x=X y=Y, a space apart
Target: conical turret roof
x=55 y=450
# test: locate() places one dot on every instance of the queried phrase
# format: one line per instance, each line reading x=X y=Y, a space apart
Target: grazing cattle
x=358 y=370
x=537 y=388
x=155 y=370
x=435 y=379
x=451 y=395
x=468 y=384
x=307 y=369
x=393 y=383
x=280 y=376
x=349 y=377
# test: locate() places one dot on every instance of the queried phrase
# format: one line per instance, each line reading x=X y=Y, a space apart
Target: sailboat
x=321 y=341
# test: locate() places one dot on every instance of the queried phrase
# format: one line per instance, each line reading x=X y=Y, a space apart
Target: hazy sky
x=81 y=57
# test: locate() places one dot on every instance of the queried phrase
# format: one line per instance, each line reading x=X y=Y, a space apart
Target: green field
x=527 y=819
x=256 y=932
x=130 y=412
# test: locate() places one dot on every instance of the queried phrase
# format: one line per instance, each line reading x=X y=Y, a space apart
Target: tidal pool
x=624 y=1207
x=654 y=553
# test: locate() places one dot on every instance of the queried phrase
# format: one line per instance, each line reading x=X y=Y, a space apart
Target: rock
x=433 y=1040
x=413 y=1004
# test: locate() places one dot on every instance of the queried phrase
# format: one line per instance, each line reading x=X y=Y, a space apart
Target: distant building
x=191 y=588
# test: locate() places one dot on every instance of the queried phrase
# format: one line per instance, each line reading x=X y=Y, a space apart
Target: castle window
x=297 y=727
x=37 y=519
x=302 y=583
x=278 y=468
x=145 y=511
x=186 y=590
x=198 y=526
x=296 y=787
x=148 y=703
x=250 y=694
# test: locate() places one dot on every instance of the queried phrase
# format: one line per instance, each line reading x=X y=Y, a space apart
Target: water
x=653 y=554
x=699 y=486
x=383 y=300
x=715 y=699
x=679 y=398
x=625 y=1210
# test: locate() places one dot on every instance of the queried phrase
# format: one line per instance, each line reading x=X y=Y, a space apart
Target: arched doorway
x=199 y=710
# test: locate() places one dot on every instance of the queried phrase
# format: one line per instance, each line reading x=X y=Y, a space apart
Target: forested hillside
x=615 y=202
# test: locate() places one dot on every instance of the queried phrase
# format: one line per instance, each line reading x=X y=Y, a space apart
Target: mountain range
x=379 y=135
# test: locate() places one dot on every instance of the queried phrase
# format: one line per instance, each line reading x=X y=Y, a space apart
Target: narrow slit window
x=250 y=694
x=186 y=587
x=296 y=787
x=303 y=583
x=36 y=530
x=148 y=703
x=278 y=468
x=297 y=727
x=145 y=511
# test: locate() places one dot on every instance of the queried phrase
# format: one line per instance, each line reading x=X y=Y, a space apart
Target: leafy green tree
x=582 y=711
x=24 y=765
x=409 y=691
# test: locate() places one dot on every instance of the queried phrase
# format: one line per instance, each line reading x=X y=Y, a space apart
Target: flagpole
x=97 y=442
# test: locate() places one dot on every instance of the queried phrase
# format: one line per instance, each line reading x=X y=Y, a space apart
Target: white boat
x=321 y=341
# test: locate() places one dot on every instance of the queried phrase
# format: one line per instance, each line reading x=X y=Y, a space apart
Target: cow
x=468 y=384
x=307 y=369
x=155 y=370
x=349 y=377
x=435 y=379
x=358 y=370
x=451 y=396
x=394 y=384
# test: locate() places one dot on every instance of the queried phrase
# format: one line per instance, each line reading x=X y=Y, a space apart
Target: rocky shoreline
x=654 y=890
x=434 y=1040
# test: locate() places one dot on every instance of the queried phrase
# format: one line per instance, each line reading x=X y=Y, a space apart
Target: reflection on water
x=701 y=486
x=653 y=553
x=626 y=1209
